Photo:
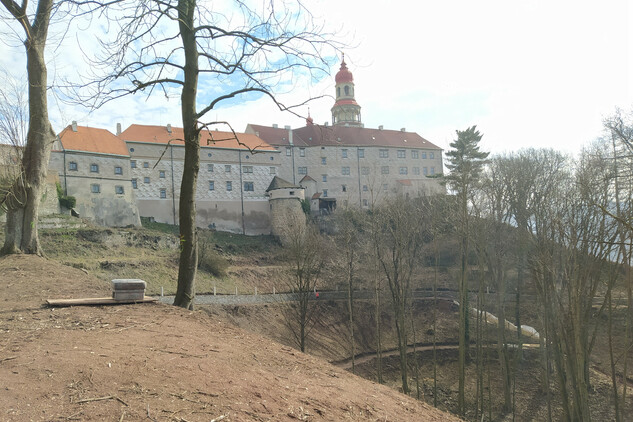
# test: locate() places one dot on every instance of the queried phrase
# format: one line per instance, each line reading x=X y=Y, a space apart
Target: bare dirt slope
x=157 y=362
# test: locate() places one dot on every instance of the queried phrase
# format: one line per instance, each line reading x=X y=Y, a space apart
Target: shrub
x=210 y=260
x=65 y=201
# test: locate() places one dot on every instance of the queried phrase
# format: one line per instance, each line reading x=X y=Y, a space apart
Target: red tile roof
x=92 y=139
x=213 y=138
x=317 y=135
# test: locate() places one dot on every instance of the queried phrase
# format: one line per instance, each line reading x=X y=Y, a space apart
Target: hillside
x=157 y=362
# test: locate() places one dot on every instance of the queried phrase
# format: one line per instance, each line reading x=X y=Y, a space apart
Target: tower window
x=163 y=193
x=346 y=89
x=338 y=91
x=249 y=186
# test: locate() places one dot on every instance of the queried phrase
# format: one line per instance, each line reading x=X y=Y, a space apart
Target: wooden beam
x=96 y=301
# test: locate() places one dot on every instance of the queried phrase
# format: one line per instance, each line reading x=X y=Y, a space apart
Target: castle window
x=273 y=170
x=402 y=153
x=288 y=152
x=338 y=91
x=346 y=89
x=302 y=170
x=210 y=168
x=424 y=155
x=161 y=174
x=249 y=187
x=72 y=166
x=324 y=177
x=325 y=193
x=229 y=186
x=345 y=171
x=415 y=154
x=365 y=203
x=425 y=171
x=134 y=184
x=146 y=179
x=344 y=188
x=383 y=153
x=385 y=186
x=404 y=170
x=95 y=188
x=361 y=153
x=247 y=169
x=344 y=153
x=163 y=193
x=145 y=164
x=291 y=193
x=365 y=189
x=227 y=168
x=118 y=170
x=431 y=155
x=416 y=171
x=211 y=185
x=133 y=164
x=364 y=171
x=384 y=170
x=302 y=152
x=118 y=190
x=94 y=168
x=324 y=160
x=432 y=171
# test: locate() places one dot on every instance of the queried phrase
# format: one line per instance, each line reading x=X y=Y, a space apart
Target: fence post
x=255 y=290
x=214 y=290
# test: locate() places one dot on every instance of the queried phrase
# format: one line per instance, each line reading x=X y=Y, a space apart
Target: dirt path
x=160 y=363
x=423 y=348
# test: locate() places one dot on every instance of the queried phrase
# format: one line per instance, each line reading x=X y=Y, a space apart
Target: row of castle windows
x=96 y=188
x=94 y=168
x=248 y=186
x=382 y=153
x=346 y=171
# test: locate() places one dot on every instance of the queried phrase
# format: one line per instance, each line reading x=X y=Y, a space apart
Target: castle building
x=242 y=182
x=348 y=164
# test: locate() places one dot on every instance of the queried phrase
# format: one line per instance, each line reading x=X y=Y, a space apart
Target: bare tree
x=306 y=251
x=350 y=223
x=174 y=46
x=14 y=111
x=23 y=198
x=398 y=242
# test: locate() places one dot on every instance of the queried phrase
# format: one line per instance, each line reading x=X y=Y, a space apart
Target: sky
x=529 y=74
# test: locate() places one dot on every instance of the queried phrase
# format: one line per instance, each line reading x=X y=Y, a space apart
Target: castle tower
x=346 y=111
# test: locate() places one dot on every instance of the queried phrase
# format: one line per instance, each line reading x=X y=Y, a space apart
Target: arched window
x=338 y=91
x=346 y=89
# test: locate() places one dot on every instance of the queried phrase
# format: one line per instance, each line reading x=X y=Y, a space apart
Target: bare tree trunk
x=188 y=232
x=24 y=198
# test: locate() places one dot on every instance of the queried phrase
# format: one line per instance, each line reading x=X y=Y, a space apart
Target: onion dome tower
x=346 y=111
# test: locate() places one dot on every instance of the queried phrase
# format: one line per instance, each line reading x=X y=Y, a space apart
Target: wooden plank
x=96 y=301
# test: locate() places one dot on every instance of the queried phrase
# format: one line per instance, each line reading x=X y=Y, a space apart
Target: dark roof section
x=279 y=183
x=318 y=135
x=307 y=178
x=273 y=135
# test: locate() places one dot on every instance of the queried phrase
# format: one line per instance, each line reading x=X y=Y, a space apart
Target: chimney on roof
x=404 y=129
x=290 y=141
x=275 y=126
x=74 y=125
x=257 y=134
x=380 y=127
x=118 y=129
x=325 y=124
x=169 y=128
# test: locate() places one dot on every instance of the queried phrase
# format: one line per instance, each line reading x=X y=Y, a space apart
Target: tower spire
x=346 y=111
